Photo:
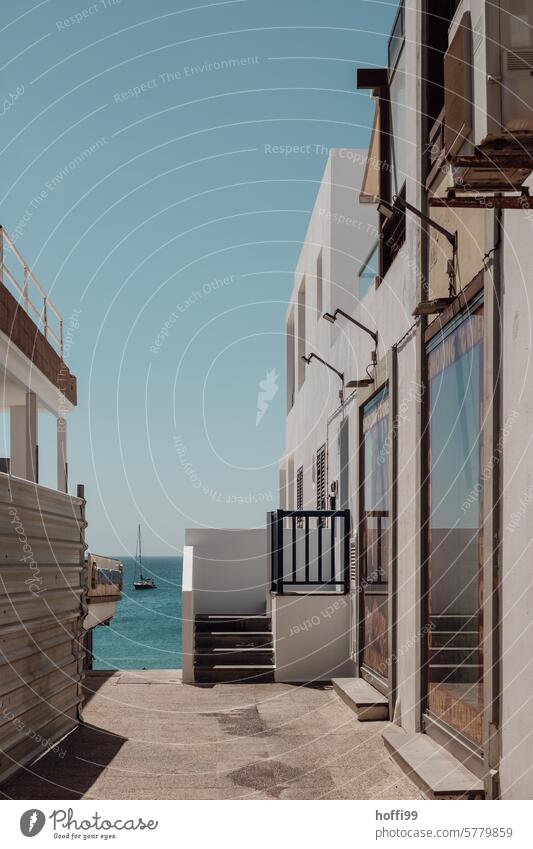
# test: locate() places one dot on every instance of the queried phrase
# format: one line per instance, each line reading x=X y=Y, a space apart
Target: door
x=374 y=498
x=454 y=691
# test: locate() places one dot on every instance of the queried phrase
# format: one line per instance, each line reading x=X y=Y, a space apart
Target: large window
x=375 y=556
x=290 y=354
x=301 y=334
x=455 y=663
x=398 y=125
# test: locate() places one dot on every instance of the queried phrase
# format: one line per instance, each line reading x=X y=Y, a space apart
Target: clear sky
x=176 y=237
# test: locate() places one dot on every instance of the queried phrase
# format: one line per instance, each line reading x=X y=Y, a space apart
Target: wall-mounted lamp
x=339 y=374
x=437 y=305
x=332 y=318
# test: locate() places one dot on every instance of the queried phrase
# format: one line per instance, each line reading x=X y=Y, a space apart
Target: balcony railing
x=17 y=275
x=310 y=550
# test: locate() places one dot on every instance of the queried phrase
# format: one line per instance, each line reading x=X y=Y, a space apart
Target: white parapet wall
x=230 y=570
x=312 y=637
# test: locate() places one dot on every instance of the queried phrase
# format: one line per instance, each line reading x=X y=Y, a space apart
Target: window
x=319 y=286
x=321 y=478
x=290 y=478
x=375 y=557
x=517 y=20
x=290 y=352
x=301 y=334
x=397 y=37
x=369 y=272
x=398 y=117
x=436 y=25
x=283 y=488
x=455 y=539
x=392 y=236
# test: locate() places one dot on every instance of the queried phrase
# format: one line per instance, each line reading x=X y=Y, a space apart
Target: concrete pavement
x=149 y=736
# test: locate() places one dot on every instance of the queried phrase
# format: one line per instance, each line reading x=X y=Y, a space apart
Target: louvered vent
x=321 y=473
x=353 y=563
x=520 y=60
x=300 y=494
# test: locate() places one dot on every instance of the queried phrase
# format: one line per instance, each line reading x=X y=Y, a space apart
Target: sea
x=145 y=632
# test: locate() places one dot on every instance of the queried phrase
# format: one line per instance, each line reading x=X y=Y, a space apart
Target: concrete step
x=230 y=622
x=234 y=639
x=241 y=656
x=455 y=673
x=234 y=674
x=432 y=767
x=369 y=704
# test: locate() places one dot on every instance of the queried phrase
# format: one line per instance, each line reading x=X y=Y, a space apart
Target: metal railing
x=44 y=309
x=310 y=549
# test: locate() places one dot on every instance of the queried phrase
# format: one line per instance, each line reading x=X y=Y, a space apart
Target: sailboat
x=141 y=583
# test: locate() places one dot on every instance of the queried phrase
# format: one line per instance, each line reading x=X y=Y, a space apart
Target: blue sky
x=176 y=237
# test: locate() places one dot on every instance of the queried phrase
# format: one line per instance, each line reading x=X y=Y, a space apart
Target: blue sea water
x=145 y=631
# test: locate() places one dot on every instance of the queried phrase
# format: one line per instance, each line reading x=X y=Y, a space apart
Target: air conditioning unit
x=488 y=79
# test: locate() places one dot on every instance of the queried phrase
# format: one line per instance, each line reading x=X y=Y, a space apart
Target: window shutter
x=353 y=562
x=321 y=478
x=300 y=494
x=458 y=86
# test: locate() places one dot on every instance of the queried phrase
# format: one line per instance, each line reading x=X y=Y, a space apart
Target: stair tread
x=207 y=617
x=235 y=650
x=243 y=666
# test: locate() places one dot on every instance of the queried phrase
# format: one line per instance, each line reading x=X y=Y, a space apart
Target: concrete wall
x=312 y=637
x=187 y=616
x=230 y=569
x=41 y=615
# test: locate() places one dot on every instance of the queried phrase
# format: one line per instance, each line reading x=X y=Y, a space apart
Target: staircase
x=233 y=648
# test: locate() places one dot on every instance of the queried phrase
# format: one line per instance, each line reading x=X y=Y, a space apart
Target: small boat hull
x=144 y=585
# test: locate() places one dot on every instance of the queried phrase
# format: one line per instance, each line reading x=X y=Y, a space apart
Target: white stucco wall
x=517 y=510
x=312 y=637
x=230 y=571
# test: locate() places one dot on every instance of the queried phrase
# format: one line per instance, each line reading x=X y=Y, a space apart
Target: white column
x=23 y=422
x=62 y=478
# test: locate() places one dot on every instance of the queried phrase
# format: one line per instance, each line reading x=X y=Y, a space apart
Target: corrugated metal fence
x=42 y=544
